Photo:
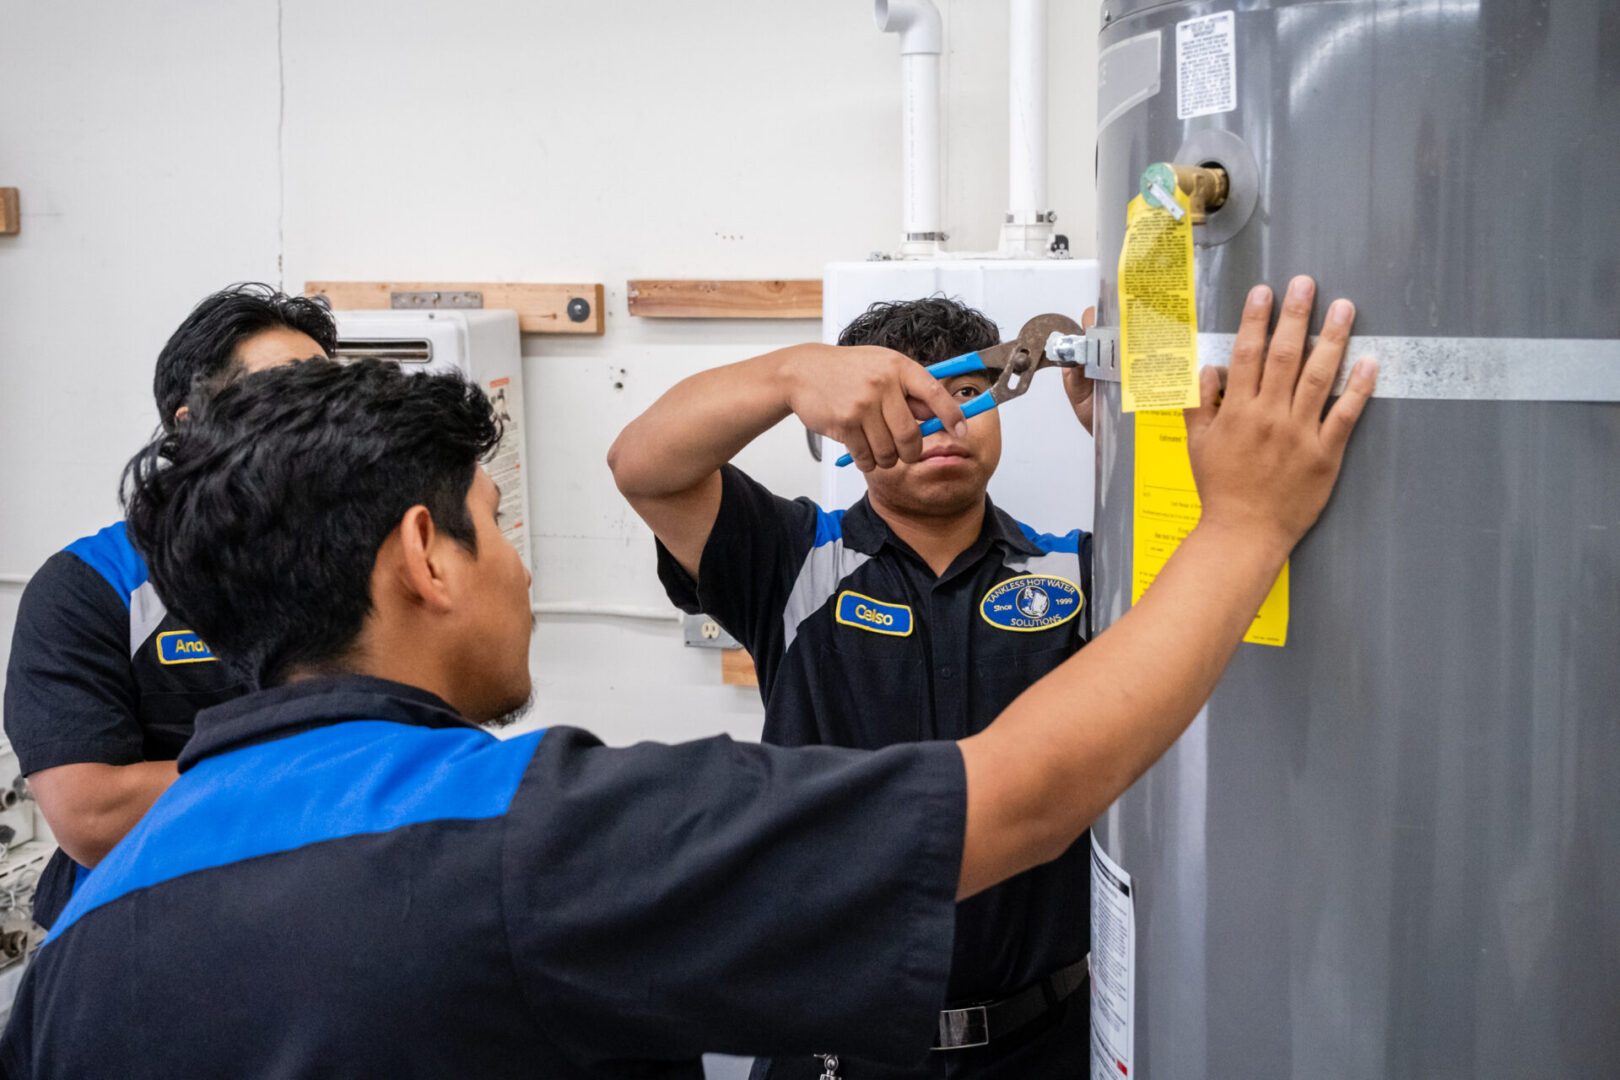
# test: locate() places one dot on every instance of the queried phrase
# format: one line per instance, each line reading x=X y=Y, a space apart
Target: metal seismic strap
x=1452 y=368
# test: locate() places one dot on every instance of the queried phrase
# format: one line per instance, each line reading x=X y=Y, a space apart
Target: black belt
x=977 y=1025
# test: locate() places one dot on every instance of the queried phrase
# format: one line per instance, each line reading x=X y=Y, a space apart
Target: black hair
x=261 y=516
x=201 y=349
x=929 y=330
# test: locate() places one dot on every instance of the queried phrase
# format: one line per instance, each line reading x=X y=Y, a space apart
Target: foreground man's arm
x=1265 y=461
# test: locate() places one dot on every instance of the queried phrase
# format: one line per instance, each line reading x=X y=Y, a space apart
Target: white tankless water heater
x=483 y=346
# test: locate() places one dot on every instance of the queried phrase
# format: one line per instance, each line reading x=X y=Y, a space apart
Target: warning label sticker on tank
x=1206 y=66
x=1166 y=509
x=1113 y=968
x=1158 y=318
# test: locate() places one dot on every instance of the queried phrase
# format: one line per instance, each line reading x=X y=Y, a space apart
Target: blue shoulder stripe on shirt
x=349 y=779
x=829 y=526
x=1047 y=542
x=110 y=554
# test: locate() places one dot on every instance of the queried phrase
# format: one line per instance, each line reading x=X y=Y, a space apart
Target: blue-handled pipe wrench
x=1015 y=363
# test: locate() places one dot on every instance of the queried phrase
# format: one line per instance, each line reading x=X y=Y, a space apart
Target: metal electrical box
x=485 y=347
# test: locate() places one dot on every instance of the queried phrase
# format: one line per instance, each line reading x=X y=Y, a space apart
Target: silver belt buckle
x=960 y=1029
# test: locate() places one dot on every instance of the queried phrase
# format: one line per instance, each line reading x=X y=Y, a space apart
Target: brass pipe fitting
x=1206 y=188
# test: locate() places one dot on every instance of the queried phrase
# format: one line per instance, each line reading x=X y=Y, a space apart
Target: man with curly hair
x=919 y=613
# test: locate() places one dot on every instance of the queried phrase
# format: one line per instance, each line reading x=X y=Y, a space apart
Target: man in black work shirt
x=103 y=681
x=348 y=878
x=921 y=613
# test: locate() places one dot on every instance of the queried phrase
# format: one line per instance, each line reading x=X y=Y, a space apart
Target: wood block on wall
x=694 y=299
x=10 y=216
x=737 y=668
x=541 y=308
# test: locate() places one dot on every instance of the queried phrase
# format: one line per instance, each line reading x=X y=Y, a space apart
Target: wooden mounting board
x=737 y=668
x=10 y=216
x=696 y=299
x=541 y=308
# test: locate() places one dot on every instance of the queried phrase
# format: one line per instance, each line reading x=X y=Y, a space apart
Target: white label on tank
x=1206 y=66
x=1113 y=968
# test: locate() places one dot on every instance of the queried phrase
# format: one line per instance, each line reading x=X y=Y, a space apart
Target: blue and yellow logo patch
x=1032 y=602
x=182 y=647
x=865 y=613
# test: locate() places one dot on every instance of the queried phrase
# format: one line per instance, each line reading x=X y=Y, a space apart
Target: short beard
x=511 y=714
x=904 y=501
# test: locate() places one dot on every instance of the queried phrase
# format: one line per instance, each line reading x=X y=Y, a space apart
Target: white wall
x=166 y=148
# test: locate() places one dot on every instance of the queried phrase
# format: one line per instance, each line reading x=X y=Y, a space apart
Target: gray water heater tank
x=1391 y=848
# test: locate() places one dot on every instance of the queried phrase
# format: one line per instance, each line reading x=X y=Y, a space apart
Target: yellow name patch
x=865 y=613
x=182 y=647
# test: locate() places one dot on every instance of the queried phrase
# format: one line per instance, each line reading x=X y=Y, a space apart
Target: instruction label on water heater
x=1113 y=968
x=1158 y=317
x=1206 y=66
x=1166 y=509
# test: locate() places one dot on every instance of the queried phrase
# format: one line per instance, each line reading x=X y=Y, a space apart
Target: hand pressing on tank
x=1265 y=458
x=867 y=397
x=1264 y=454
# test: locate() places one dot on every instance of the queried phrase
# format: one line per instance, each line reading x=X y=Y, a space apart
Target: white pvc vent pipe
x=922 y=38
x=1028 y=228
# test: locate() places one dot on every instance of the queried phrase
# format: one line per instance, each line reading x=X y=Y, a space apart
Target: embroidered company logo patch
x=1032 y=602
x=865 y=613
x=182 y=647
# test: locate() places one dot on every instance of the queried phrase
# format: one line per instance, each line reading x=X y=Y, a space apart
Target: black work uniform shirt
x=857 y=643
x=101 y=672
x=348 y=879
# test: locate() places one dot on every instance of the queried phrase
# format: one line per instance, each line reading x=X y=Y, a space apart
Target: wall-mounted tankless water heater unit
x=1391 y=847
x=483 y=346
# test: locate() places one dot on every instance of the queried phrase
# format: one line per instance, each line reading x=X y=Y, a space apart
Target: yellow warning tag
x=1158 y=322
x=1167 y=508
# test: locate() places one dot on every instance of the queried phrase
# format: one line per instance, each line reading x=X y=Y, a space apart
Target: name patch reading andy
x=1032 y=602
x=181 y=647
x=865 y=613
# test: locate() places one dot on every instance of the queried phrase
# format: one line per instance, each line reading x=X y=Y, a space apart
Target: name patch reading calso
x=865 y=613
x=1032 y=602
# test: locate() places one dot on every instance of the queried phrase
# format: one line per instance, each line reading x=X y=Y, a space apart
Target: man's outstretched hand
x=1264 y=455
x=1265 y=459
